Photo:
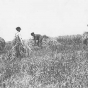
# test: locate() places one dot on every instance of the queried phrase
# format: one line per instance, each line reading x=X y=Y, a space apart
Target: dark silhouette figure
x=18 y=29
x=37 y=38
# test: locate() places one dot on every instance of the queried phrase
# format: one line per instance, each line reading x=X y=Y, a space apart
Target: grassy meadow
x=60 y=62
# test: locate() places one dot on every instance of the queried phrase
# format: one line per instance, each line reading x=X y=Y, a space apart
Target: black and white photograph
x=43 y=43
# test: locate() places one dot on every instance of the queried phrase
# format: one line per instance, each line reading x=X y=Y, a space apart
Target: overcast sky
x=50 y=17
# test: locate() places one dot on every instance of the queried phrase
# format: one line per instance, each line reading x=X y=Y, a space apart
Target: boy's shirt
x=18 y=34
